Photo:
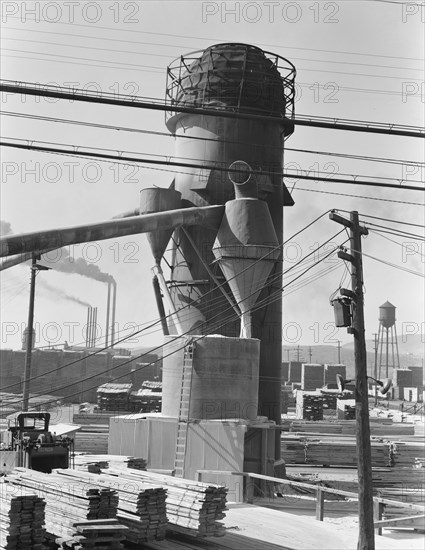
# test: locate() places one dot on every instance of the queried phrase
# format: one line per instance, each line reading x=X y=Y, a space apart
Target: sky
x=354 y=60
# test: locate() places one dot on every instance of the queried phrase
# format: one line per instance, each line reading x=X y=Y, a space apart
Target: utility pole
x=375 y=373
x=310 y=354
x=339 y=352
x=28 y=352
x=30 y=331
x=366 y=539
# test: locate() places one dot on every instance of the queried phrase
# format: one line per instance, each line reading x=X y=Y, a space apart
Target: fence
x=320 y=492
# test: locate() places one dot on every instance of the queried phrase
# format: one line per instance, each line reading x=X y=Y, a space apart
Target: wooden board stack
x=331 y=451
x=67 y=503
x=21 y=520
x=91 y=442
x=406 y=454
x=83 y=461
x=97 y=534
x=309 y=406
x=141 y=506
x=192 y=507
x=378 y=427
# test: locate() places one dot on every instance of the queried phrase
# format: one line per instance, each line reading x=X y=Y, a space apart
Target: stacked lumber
x=344 y=452
x=406 y=454
x=67 y=503
x=378 y=427
x=192 y=507
x=96 y=462
x=113 y=396
x=309 y=406
x=94 y=433
x=410 y=478
x=293 y=450
x=98 y=534
x=91 y=442
x=330 y=451
x=141 y=506
x=329 y=401
x=21 y=520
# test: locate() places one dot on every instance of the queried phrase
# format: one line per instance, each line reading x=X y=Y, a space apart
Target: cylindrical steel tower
x=240 y=79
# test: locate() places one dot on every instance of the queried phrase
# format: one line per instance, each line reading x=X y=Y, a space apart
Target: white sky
x=355 y=60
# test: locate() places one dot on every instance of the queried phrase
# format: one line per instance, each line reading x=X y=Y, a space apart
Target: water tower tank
x=387 y=315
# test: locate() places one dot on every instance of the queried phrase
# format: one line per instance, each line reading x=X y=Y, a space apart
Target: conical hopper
x=156 y=199
x=246 y=279
x=246 y=249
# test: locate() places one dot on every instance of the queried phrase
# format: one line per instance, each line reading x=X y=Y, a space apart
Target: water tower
x=387 y=333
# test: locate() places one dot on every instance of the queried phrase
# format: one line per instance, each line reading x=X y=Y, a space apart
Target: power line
x=199 y=138
x=395 y=231
x=189 y=305
x=409 y=249
x=393 y=265
x=209 y=39
x=154 y=68
x=356 y=196
x=131 y=101
x=124 y=158
x=222 y=323
x=191 y=48
x=386 y=219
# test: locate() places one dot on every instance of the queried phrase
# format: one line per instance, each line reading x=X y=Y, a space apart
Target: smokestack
x=114 y=303
x=88 y=327
x=94 y=328
x=26 y=336
x=108 y=307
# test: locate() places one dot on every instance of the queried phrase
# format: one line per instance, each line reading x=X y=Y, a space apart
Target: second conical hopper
x=246 y=249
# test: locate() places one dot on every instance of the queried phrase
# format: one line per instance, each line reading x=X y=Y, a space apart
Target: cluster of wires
x=217 y=321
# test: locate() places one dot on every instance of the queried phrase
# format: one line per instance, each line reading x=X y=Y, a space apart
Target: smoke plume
x=5 y=228
x=61 y=260
x=60 y=293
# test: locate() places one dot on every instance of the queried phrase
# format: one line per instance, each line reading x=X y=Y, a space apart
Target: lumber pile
x=91 y=442
x=331 y=451
x=98 y=534
x=309 y=405
x=312 y=376
x=21 y=520
x=95 y=462
x=409 y=478
x=406 y=454
x=141 y=506
x=378 y=427
x=113 y=396
x=68 y=503
x=341 y=451
x=192 y=507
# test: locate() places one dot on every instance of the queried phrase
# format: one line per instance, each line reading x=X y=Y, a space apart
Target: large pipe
x=56 y=238
x=160 y=305
x=168 y=299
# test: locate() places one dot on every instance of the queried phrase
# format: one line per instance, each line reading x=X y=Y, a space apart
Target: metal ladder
x=183 y=420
